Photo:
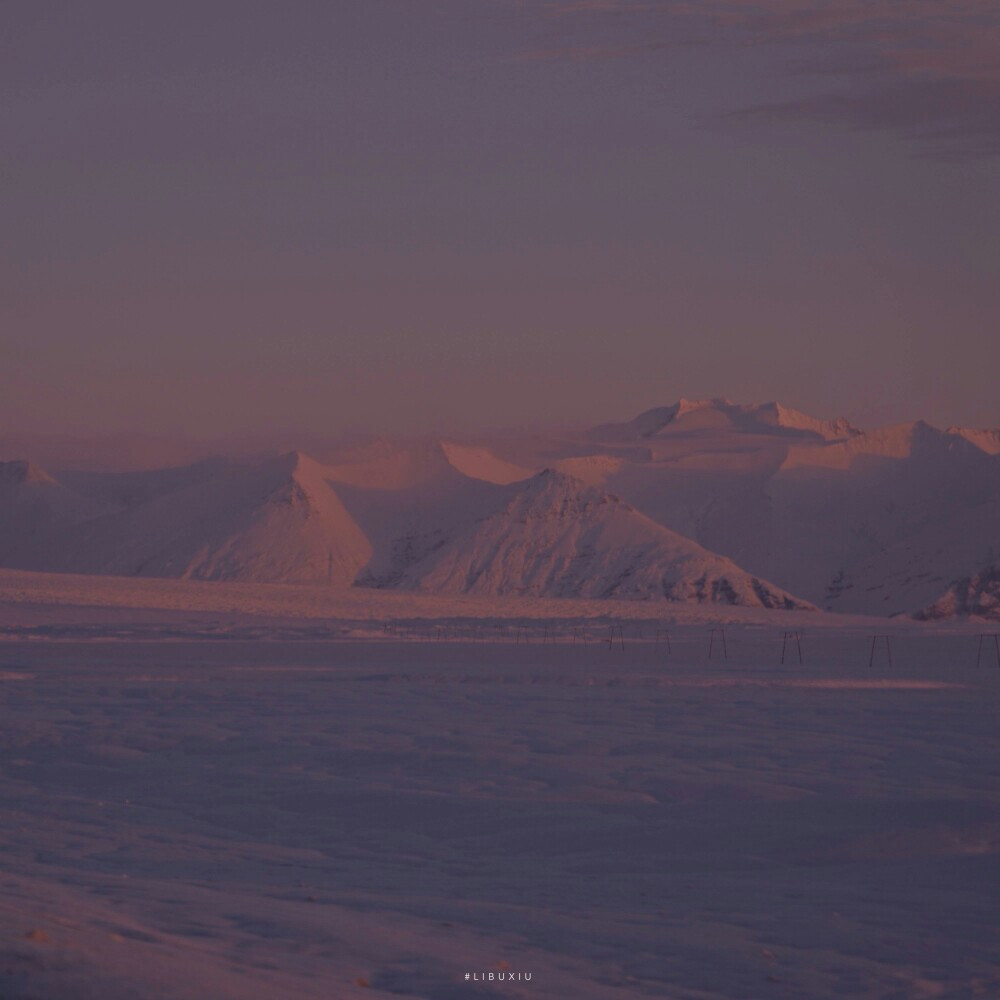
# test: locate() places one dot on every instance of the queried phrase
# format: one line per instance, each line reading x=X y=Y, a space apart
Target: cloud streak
x=946 y=119
x=927 y=71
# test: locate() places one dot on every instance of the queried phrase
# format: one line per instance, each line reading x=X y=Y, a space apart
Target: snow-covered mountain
x=276 y=521
x=872 y=521
x=427 y=525
x=866 y=521
x=703 y=415
x=553 y=536
x=986 y=439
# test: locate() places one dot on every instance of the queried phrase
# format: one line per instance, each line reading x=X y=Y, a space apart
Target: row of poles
x=614 y=636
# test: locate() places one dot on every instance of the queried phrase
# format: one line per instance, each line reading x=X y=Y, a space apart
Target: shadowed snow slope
x=406 y=524
x=388 y=466
x=985 y=439
x=33 y=506
x=555 y=537
x=128 y=489
x=481 y=463
x=914 y=571
x=273 y=522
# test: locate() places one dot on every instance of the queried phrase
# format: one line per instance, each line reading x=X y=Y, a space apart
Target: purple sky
x=398 y=215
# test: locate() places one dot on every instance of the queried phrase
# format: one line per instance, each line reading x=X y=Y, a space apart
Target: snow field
x=218 y=803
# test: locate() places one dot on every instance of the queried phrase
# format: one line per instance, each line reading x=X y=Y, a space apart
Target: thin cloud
x=946 y=119
x=924 y=69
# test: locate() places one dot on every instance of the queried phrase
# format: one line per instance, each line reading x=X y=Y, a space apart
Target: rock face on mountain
x=555 y=537
x=977 y=596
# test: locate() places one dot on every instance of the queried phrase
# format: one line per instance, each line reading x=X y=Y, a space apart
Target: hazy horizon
x=394 y=217
x=124 y=450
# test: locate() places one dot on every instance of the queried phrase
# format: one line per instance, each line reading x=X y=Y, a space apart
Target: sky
x=398 y=216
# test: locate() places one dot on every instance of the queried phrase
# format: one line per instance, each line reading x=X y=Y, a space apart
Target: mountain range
x=701 y=501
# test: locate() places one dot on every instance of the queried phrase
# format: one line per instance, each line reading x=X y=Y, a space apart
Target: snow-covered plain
x=247 y=791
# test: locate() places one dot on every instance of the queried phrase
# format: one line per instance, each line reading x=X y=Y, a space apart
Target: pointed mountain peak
x=557 y=537
x=551 y=493
x=551 y=480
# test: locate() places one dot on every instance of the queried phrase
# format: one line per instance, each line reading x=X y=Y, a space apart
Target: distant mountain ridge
x=688 y=416
x=275 y=521
x=701 y=500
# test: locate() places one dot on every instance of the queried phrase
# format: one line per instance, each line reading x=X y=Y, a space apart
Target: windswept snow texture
x=556 y=537
x=315 y=817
